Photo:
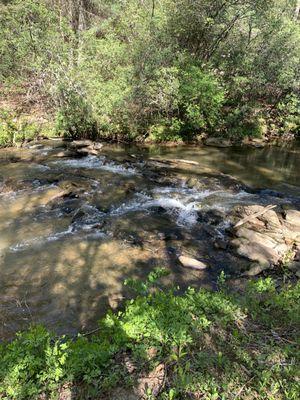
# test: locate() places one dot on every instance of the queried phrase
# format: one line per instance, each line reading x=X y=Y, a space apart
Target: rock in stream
x=269 y=239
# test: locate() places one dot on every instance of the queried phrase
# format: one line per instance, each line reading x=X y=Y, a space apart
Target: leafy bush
x=31 y=364
x=289 y=114
x=16 y=129
x=186 y=100
x=74 y=117
x=122 y=70
x=167 y=130
x=214 y=344
x=30 y=42
x=245 y=121
x=201 y=98
x=8 y=129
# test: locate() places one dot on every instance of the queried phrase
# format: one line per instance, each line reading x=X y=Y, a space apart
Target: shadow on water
x=68 y=279
x=69 y=282
x=273 y=167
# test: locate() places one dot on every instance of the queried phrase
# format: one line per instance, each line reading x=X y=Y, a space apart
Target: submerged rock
x=86 y=151
x=86 y=147
x=66 y=153
x=78 y=187
x=157 y=210
x=210 y=230
x=215 y=183
x=217 y=142
x=80 y=215
x=78 y=144
x=86 y=214
x=212 y=217
x=189 y=262
x=256 y=269
x=60 y=194
x=220 y=244
x=9 y=185
x=87 y=218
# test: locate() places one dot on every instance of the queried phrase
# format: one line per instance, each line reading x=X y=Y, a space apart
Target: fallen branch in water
x=173 y=160
x=60 y=195
x=255 y=215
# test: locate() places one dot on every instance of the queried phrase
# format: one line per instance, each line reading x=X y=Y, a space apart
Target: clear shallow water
x=272 y=167
x=63 y=260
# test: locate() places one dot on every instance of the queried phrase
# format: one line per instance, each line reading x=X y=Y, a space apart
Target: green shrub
x=33 y=363
x=187 y=102
x=16 y=129
x=245 y=121
x=289 y=114
x=166 y=130
x=201 y=98
x=213 y=344
x=74 y=117
x=8 y=129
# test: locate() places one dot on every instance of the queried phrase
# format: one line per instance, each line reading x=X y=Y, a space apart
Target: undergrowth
x=16 y=129
x=211 y=345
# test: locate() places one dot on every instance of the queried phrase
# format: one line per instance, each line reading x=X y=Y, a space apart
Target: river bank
x=163 y=345
x=203 y=140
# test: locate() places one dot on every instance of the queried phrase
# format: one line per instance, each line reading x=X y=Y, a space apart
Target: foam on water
x=82 y=232
x=40 y=240
x=36 y=188
x=94 y=162
x=180 y=203
x=89 y=218
x=41 y=167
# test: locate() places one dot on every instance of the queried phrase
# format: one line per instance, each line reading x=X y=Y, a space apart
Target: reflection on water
x=274 y=167
x=71 y=230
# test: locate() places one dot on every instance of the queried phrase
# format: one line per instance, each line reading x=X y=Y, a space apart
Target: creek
x=72 y=229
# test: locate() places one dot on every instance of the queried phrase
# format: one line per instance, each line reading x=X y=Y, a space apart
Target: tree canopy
x=158 y=69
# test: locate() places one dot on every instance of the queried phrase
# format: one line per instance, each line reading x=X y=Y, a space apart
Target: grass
x=197 y=345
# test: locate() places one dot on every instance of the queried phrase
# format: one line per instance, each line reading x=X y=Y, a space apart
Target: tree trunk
x=297 y=10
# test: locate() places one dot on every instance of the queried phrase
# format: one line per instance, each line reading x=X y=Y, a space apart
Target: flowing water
x=73 y=229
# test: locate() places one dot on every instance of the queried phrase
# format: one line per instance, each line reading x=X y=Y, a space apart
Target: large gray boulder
x=292 y=217
x=265 y=237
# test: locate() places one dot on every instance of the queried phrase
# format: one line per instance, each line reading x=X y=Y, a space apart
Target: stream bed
x=72 y=228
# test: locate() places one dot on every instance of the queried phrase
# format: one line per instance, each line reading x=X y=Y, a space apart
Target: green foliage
x=87 y=359
x=167 y=130
x=8 y=129
x=74 y=117
x=32 y=364
x=246 y=121
x=143 y=288
x=186 y=101
x=29 y=39
x=163 y=70
x=14 y=129
x=289 y=114
x=201 y=98
x=103 y=74
x=214 y=344
x=275 y=308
